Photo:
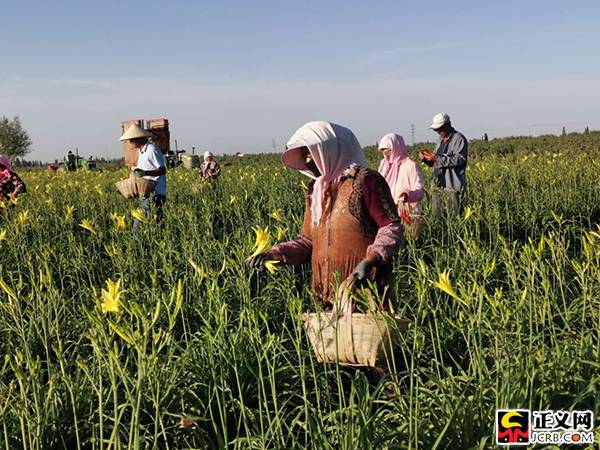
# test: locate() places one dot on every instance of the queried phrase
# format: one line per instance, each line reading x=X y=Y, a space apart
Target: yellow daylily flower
x=122 y=334
x=69 y=212
x=138 y=214
x=120 y=223
x=232 y=199
x=111 y=250
x=262 y=242
x=200 y=272
x=468 y=213
x=88 y=225
x=118 y=220
x=23 y=217
x=281 y=233
x=445 y=285
x=271 y=265
x=111 y=297
x=3 y=235
x=277 y=216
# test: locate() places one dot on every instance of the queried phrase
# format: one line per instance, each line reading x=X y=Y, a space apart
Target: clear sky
x=238 y=75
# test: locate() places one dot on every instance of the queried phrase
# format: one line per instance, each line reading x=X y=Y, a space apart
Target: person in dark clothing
x=449 y=163
x=71 y=163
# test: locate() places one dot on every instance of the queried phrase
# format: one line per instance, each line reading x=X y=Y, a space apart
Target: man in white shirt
x=151 y=166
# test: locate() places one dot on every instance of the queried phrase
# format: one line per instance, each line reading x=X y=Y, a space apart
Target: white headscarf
x=333 y=148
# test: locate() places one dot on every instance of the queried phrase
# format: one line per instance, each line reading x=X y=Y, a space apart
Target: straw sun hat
x=134 y=132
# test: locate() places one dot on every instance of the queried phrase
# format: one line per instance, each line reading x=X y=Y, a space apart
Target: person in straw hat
x=449 y=163
x=209 y=169
x=351 y=225
x=150 y=165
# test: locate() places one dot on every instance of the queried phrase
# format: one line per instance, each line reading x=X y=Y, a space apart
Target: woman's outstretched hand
x=258 y=262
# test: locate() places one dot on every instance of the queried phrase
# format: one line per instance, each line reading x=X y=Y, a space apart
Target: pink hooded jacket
x=403 y=175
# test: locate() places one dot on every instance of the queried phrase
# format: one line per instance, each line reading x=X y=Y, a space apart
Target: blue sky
x=236 y=75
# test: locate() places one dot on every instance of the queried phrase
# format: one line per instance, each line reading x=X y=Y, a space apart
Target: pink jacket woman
x=402 y=174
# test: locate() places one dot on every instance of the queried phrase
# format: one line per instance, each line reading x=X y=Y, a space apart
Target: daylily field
x=167 y=339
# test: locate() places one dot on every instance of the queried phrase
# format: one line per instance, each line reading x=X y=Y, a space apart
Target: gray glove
x=362 y=271
x=257 y=262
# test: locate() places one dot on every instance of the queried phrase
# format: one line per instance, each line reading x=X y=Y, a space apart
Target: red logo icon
x=512 y=427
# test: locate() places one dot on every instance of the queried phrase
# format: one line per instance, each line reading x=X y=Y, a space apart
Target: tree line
x=16 y=143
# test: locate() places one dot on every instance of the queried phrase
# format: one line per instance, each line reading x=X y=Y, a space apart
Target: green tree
x=14 y=139
x=587 y=130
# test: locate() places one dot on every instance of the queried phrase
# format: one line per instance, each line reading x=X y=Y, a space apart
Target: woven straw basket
x=353 y=339
x=134 y=187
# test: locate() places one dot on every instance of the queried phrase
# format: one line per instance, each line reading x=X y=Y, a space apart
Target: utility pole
x=412 y=132
x=274 y=145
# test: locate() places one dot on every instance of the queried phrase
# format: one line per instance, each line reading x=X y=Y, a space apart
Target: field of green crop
x=167 y=339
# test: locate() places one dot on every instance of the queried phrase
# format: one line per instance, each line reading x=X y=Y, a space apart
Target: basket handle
x=343 y=300
x=344 y=303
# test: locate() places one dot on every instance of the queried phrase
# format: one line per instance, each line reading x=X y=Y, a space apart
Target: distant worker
x=11 y=186
x=209 y=169
x=405 y=179
x=351 y=228
x=151 y=166
x=71 y=162
x=449 y=163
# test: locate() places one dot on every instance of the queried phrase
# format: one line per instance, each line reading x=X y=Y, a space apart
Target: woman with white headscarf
x=209 y=169
x=10 y=184
x=351 y=226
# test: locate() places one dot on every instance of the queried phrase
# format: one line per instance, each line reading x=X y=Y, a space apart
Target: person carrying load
x=351 y=226
x=150 y=166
